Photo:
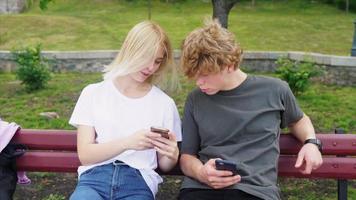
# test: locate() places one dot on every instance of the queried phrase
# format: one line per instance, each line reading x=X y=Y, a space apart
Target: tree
x=221 y=9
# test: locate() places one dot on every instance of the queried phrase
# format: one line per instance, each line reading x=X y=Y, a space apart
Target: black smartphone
x=226 y=165
x=160 y=130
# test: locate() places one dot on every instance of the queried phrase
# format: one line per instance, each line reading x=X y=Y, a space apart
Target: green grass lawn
x=60 y=96
x=293 y=25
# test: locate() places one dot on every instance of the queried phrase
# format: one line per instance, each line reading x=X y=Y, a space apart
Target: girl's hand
x=166 y=147
x=141 y=140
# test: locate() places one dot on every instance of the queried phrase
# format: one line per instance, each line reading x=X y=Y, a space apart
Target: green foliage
x=44 y=3
x=297 y=74
x=341 y=4
x=55 y=197
x=32 y=68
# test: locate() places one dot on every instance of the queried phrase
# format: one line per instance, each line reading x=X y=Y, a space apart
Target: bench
x=55 y=151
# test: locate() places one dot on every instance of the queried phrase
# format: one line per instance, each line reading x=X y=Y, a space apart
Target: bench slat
x=333 y=144
x=65 y=140
x=55 y=139
x=48 y=161
x=333 y=167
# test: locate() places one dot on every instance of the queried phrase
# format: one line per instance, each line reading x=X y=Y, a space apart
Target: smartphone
x=226 y=165
x=160 y=130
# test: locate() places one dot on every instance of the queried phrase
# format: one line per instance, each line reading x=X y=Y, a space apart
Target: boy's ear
x=230 y=68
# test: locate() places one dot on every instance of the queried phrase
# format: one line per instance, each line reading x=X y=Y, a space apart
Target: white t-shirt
x=114 y=115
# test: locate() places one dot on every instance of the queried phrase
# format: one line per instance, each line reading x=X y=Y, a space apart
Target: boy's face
x=211 y=84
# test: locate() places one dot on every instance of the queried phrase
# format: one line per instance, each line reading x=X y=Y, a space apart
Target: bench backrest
x=55 y=151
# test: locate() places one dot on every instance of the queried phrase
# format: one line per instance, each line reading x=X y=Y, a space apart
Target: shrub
x=297 y=74
x=32 y=68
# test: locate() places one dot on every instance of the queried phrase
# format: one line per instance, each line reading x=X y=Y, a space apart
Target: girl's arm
x=90 y=152
x=167 y=151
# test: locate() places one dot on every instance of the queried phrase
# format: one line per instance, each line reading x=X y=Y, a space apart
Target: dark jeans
x=210 y=194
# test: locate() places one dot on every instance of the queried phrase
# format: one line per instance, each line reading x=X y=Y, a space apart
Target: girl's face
x=149 y=68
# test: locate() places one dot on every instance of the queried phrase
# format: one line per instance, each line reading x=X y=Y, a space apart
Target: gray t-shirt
x=241 y=125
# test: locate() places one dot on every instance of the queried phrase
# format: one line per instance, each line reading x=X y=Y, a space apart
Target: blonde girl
x=118 y=152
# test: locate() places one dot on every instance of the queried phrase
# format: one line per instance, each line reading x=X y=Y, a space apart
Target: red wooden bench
x=55 y=151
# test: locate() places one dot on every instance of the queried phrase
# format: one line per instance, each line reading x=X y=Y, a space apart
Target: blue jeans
x=112 y=181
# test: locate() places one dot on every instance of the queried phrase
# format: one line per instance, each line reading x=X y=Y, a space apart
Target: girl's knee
x=85 y=192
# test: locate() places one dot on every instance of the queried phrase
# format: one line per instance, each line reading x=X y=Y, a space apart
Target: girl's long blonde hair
x=141 y=45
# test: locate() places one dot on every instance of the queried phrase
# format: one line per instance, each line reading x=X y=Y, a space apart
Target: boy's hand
x=216 y=179
x=311 y=156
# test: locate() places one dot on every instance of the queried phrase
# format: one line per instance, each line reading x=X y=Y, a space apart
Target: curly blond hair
x=209 y=50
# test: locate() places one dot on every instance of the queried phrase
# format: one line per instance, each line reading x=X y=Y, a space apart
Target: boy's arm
x=191 y=166
x=309 y=154
x=303 y=129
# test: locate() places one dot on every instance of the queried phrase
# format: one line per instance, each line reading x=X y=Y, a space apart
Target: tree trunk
x=221 y=9
x=347 y=6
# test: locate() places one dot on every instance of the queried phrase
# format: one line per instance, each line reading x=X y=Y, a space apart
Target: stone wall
x=12 y=6
x=341 y=70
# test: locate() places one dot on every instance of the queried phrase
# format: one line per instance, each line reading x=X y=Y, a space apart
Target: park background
x=261 y=25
